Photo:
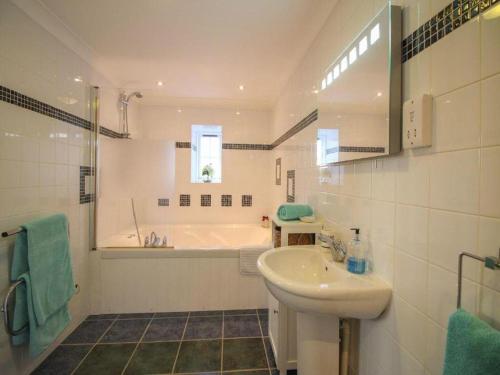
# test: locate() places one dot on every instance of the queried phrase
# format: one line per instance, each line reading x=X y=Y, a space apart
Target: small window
x=206 y=154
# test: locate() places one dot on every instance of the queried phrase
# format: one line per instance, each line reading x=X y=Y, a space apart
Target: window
x=206 y=154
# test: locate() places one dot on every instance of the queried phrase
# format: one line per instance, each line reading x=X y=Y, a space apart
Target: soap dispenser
x=356 y=262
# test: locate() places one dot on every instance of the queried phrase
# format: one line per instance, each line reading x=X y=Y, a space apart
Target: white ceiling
x=201 y=49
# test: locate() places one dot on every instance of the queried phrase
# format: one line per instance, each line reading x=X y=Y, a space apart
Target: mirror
x=360 y=97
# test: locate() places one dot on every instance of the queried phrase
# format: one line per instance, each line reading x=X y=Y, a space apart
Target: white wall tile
x=409 y=328
x=490 y=181
x=435 y=348
x=384 y=179
x=382 y=222
x=489 y=245
x=451 y=233
x=442 y=295
x=490 y=48
x=455 y=59
x=410 y=280
x=454 y=181
x=411 y=230
x=489 y=307
x=457 y=119
x=413 y=180
x=490 y=111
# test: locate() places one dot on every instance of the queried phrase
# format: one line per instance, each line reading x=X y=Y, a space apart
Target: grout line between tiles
x=137 y=346
x=91 y=349
x=180 y=343
x=264 y=344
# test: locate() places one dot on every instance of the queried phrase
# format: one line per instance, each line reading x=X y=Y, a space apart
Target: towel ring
x=5 y=311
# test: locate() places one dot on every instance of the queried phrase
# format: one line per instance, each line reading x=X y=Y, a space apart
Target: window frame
x=197 y=133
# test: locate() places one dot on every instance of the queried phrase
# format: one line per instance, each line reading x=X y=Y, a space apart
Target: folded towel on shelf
x=42 y=260
x=472 y=348
x=248 y=261
x=294 y=211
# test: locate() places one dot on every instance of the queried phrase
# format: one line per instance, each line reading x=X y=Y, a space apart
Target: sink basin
x=305 y=279
x=320 y=291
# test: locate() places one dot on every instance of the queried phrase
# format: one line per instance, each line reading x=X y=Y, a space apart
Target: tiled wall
x=417 y=210
x=246 y=165
x=42 y=150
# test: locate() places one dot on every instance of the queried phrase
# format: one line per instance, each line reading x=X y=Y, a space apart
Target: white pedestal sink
x=321 y=291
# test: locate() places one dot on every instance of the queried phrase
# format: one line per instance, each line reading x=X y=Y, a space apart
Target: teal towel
x=42 y=259
x=294 y=211
x=472 y=348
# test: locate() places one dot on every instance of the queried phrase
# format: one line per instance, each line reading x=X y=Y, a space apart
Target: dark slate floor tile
x=241 y=326
x=63 y=360
x=264 y=324
x=269 y=352
x=207 y=327
x=166 y=329
x=106 y=359
x=256 y=372
x=171 y=314
x=136 y=316
x=88 y=332
x=197 y=356
x=207 y=313
x=240 y=312
x=126 y=331
x=153 y=358
x=102 y=317
x=241 y=354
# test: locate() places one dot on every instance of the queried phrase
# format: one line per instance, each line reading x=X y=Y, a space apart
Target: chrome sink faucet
x=337 y=247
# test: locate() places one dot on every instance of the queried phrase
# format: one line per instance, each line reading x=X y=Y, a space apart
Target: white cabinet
x=283 y=320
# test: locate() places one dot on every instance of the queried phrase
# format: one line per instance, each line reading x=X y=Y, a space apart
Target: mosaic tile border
x=16 y=98
x=226 y=200
x=184 y=200
x=334 y=150
x=290 y=175
x=205 y=200
x=450 y=18
x=232 y=146
x=246 y=200
x=302 y=124
x=163 y=202
x=84 y=196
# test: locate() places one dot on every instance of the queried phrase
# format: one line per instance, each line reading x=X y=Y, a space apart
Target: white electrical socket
x=417 y=122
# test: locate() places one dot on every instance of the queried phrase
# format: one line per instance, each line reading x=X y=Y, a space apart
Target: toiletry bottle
x=356 y=262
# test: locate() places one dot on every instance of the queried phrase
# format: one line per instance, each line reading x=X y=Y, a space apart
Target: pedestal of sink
x=318 y=344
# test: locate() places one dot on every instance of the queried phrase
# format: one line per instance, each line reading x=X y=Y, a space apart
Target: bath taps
x=152 y=241
x=337 y=247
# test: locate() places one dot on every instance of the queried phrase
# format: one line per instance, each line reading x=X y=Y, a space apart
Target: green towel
x=294 y=211
x=472 y=348
x=42 y=259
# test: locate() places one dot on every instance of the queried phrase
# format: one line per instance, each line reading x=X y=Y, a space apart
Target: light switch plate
x=417 y=122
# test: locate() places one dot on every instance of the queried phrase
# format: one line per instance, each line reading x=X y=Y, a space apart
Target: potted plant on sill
x=206 y=173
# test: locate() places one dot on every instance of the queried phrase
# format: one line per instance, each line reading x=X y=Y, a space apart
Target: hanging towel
x=294 y=211
x=248 y=261
x=472 y=348
x=42 y=260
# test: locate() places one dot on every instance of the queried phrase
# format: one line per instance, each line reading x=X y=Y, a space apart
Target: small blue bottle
x=356 y=262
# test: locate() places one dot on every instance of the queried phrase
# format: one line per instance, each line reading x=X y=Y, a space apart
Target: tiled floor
x=203 y=343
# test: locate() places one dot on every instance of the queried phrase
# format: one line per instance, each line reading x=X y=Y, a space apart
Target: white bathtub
x=199 y=271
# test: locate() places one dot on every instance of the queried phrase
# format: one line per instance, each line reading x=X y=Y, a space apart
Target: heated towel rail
x=489 y=262
x=5 y=305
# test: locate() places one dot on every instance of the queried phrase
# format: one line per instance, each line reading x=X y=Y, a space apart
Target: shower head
x=137 y=94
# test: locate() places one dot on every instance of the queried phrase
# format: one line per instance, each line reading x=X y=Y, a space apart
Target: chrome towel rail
x=489 y=262
x=11 y=232
x=5 y=311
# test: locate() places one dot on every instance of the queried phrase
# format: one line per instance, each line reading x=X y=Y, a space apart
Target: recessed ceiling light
x=179 y=110
x=241 y=87
x=78 y=79
x=379 y=94
x=315 y=91
x=159 y=83
x=238 y=113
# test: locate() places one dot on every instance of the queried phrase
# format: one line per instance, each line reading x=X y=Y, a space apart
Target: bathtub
x=199 y=270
